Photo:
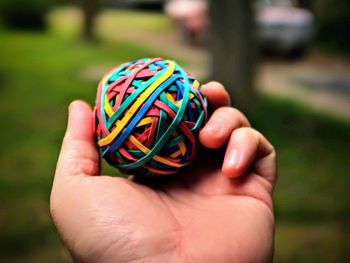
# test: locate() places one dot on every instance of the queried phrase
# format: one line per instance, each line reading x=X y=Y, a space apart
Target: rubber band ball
x=148 y=115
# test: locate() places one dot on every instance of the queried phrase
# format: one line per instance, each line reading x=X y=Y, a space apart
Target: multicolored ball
x=147 y=117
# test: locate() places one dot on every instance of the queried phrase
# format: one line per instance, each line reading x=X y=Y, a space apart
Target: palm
x=198 y=219
x=201 y=215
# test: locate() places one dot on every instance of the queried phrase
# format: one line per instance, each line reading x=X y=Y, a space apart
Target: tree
x=233 y=48
x=304 y=3
x=24 y=15
x=89 y=8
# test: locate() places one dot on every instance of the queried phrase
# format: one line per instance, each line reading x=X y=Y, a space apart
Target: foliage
x=29 y=14
x=333 y=22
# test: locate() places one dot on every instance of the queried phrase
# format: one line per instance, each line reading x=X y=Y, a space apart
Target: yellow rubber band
x=108 y=107
x=137 y=104
x=145 y=150
x=145 y=121
x=169 y=97
x=175 y=154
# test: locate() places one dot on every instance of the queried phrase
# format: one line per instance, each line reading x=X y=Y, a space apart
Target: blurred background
x=285 y=63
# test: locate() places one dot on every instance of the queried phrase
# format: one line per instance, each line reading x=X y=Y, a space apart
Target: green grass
x=312 y=193
x=313 y=152
x=111 y=24
x=40 y=73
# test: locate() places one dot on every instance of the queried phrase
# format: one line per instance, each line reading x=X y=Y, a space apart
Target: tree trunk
x=304 y=3
x=89 y=8
x=233 y=48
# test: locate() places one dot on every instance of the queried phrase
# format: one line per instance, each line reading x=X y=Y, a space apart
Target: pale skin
x=218 y=210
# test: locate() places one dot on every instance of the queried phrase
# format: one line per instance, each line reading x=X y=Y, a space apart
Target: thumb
x=78 y=153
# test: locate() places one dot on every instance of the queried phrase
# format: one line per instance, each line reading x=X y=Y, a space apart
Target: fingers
x=218 y=129
x=216 y=94
x=245 y=147
x=78 y=153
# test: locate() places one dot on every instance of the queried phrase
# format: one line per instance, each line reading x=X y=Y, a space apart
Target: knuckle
x=247 y=133
x=230 y=113
x=216 y=84
x=84 y=166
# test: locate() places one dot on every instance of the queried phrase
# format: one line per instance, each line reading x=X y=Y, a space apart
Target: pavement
x=318 y=81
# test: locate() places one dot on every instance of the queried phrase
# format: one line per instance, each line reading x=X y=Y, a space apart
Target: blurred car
x=281 y=27
x=191 y=18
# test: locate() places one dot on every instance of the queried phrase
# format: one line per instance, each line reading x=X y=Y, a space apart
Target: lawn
x=40 y=73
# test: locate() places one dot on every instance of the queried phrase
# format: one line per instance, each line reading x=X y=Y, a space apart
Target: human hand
x=217 y=210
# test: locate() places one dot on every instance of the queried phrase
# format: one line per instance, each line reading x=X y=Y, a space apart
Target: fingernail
x=232 y=159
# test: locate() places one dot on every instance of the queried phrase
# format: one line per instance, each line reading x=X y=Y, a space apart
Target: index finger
x=216 y=94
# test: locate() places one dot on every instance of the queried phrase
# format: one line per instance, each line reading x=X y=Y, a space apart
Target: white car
x=283 y=28
x=280 y=26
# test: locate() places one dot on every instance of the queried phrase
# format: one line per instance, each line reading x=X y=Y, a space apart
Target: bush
x=28 y=14
x=333 y=22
